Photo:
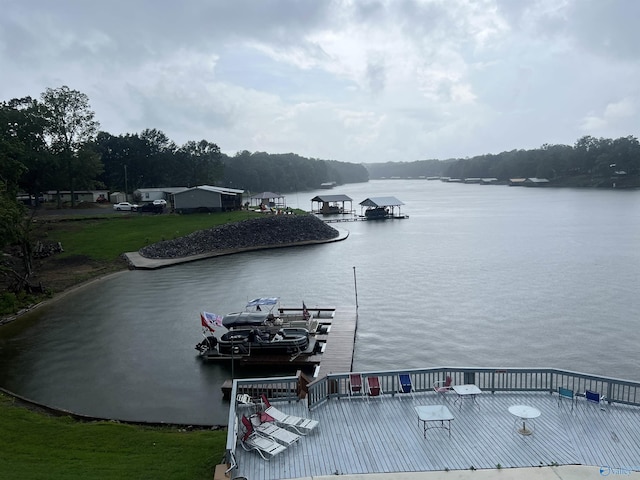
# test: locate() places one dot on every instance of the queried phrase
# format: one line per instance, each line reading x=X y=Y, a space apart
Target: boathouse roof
x=377 y=202
x=331 y=198
x=267 y=195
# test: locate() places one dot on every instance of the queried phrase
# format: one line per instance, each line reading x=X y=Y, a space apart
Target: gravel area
x=268 y=231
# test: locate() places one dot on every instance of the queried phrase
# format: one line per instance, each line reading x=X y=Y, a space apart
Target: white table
x=436 y=414
x=524 y=413
x=466 y=391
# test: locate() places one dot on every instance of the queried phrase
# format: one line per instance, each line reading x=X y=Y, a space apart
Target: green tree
x=14 y=147
x=198 y=163
x=70 y=129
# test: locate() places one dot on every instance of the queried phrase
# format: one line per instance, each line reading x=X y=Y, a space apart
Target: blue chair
x=595 y=397
x=405 y=384
x=566 y=394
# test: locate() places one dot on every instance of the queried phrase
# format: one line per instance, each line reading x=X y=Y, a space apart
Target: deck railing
x=489 y=380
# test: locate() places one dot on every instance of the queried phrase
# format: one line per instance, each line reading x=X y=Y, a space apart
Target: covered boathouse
x=381 y=208
x=331 y=204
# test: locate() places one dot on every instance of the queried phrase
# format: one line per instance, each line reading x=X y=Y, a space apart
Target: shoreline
x=137 y=261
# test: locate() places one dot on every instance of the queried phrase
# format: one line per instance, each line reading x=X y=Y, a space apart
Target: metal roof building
x=207 y=198
x=269 y=199
x=328 y=204
x=381 y=204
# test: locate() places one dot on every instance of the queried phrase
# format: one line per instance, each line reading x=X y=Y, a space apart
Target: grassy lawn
x=38 y=446
x=105 y=237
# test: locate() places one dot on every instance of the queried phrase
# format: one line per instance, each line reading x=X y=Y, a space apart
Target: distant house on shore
x=156 y=193
x=206 y=198
x=78 y=196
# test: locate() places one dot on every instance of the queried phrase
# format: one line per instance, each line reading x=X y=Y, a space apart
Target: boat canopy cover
x=244 y=319
x=377 y=202
x=263 y=301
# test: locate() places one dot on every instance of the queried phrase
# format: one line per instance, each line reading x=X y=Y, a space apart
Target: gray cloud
x=348 y=80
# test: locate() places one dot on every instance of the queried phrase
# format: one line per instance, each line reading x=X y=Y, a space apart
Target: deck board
x=361 y=436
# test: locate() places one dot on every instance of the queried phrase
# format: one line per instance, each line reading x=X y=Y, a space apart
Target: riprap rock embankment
x=271 y=230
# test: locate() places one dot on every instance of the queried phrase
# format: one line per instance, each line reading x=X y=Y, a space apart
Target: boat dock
x=360 y=218
x=338 y=354
x=336 y=336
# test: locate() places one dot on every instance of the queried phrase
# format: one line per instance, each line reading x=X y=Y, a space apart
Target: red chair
x=373 y=387
x=442 y=387
x=355 y=385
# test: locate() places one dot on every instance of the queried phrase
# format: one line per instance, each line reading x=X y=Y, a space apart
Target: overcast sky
x=349 y=80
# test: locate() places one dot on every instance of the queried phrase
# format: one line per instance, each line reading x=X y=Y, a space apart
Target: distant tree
x=70 y=129
x=199 y=163
x=25 y=162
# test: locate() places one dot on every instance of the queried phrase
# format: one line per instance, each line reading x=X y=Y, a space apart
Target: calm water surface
x=486 y=276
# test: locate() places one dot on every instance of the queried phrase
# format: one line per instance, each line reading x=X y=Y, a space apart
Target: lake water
x=486 y=276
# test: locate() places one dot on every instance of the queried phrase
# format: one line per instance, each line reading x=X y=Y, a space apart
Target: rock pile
x=272 y=230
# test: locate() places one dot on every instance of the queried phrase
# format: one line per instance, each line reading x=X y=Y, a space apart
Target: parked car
x=125 y=206
x=160 y=202
x=151 y=207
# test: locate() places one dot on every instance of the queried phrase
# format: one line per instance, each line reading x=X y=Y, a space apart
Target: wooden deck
x=361 y=436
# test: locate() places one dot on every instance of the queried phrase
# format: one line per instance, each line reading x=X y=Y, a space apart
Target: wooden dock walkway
x=338 y=354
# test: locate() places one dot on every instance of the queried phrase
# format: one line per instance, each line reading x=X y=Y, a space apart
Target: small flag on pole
x=210 y=320
x=305 y=312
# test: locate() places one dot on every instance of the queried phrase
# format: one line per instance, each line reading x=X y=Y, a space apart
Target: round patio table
x=524 y=413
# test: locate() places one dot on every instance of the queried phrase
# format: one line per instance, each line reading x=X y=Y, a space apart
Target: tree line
x=589 y=162
x=55 y=143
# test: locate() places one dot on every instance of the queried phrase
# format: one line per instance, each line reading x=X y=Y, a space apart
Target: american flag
x=305 y=312
x=210 y=320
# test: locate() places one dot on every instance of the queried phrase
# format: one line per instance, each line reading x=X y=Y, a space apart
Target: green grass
x=106 y=237
x=39 y=446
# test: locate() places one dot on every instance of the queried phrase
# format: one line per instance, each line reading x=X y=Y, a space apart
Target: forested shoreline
x=591 y=162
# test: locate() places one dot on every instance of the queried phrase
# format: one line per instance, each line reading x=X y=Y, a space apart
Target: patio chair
x=405 y=384
x=273 y=431
x=565 y=393
x=265 y=446
x=355 y=385
x=300 y=425
x=373 y=387
x=443 y=386
x=595 y=398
